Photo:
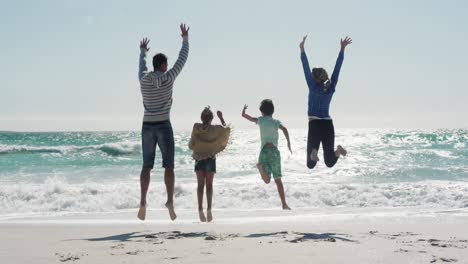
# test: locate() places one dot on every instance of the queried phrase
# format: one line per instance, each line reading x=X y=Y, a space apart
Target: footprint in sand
x=439 y=259
x=136 y=252
x=69 y=257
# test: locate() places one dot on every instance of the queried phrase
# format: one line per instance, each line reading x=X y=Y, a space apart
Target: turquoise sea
x=88 y=172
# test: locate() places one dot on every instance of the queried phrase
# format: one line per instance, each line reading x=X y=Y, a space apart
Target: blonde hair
x=206 y=116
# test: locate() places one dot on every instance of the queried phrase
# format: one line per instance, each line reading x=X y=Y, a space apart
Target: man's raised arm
x=183 y=54
x=142 y=69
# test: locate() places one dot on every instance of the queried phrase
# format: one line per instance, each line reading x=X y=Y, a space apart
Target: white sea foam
x=385 y=168
x=247 y=192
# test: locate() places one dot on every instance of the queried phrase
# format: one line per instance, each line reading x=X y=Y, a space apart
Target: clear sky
x=72 y=65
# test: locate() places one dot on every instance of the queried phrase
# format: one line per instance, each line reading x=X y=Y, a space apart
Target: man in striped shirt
x=156 y=88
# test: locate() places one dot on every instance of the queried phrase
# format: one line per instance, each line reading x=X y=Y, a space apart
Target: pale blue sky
x=73 y=64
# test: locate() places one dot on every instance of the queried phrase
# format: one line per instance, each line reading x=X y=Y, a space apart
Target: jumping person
x=206 y=141
x=321 y=90
x=269 y=161
x=156 y=89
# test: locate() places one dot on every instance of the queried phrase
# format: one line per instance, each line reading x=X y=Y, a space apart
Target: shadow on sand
x=121 y=237
x=292 y=237
x=136 y=235
x=301 y=237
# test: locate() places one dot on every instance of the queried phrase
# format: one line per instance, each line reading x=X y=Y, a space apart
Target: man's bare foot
x=340 y=151
x=209 y=215
x=172 y=213
x=201 y=215
x=313 y=155
x=265 y=177
x=142 y=213
x=286 y=207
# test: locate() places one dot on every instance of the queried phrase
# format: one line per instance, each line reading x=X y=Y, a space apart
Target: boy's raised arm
x=286 y=134
x=248 y=117
x=142 y=69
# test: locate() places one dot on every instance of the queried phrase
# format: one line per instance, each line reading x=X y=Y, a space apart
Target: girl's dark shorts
x=208 y=165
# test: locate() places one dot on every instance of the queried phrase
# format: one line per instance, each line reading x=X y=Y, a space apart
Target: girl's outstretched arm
x=339 y=61
x=248 y=117
x=191 y=144
x=221 y=118
x=286 y=134
x=345 y=42
x=305 y=64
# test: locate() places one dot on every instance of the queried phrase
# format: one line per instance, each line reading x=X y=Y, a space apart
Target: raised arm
x=286 y=134
x=142 y=69
x=248 y=117
x=305 y=64
x=183 y=54
x=221 y=118
x=191 y=144
x=339 y=61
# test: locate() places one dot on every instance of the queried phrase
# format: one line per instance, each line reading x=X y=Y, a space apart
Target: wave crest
x=112 y=149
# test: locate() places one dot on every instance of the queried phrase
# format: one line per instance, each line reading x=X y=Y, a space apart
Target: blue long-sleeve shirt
x=319 y=100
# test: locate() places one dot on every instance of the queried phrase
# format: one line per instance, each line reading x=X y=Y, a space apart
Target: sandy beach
x=302 y=236
x=352 y=114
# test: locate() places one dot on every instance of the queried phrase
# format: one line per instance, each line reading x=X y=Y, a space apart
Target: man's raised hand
x=184 y=29
x=301 y=45
x=144 y=44
x=345 y=42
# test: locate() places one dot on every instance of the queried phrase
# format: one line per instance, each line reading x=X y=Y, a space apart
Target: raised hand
x=144 y=44
x=248 y=117
x=345 y=42
x=221 y=118
x=301 y=45
x=184 y=29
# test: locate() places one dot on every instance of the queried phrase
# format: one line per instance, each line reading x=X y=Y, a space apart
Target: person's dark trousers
x=321 y=131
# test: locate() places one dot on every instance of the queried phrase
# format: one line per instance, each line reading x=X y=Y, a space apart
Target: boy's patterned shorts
x=270 y=159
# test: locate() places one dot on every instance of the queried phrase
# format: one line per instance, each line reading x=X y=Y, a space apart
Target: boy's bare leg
x=144 y=184
x=169 y=180
x=201 y=186
x=340 y=151
x=264 y=176
x=313 y=155
x=209 y=194
x=279 y=186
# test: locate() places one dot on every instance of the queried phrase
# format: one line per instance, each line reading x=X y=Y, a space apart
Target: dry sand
x=326 y=239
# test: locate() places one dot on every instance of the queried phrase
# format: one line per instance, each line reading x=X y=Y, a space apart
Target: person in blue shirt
x=321 y=90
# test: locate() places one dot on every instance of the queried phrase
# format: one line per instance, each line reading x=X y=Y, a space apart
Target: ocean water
x=94 y=172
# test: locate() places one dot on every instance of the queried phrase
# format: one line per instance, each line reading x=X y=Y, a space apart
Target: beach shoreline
x=277 y=237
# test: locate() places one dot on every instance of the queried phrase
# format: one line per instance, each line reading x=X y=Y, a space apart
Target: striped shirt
x=156 y=87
